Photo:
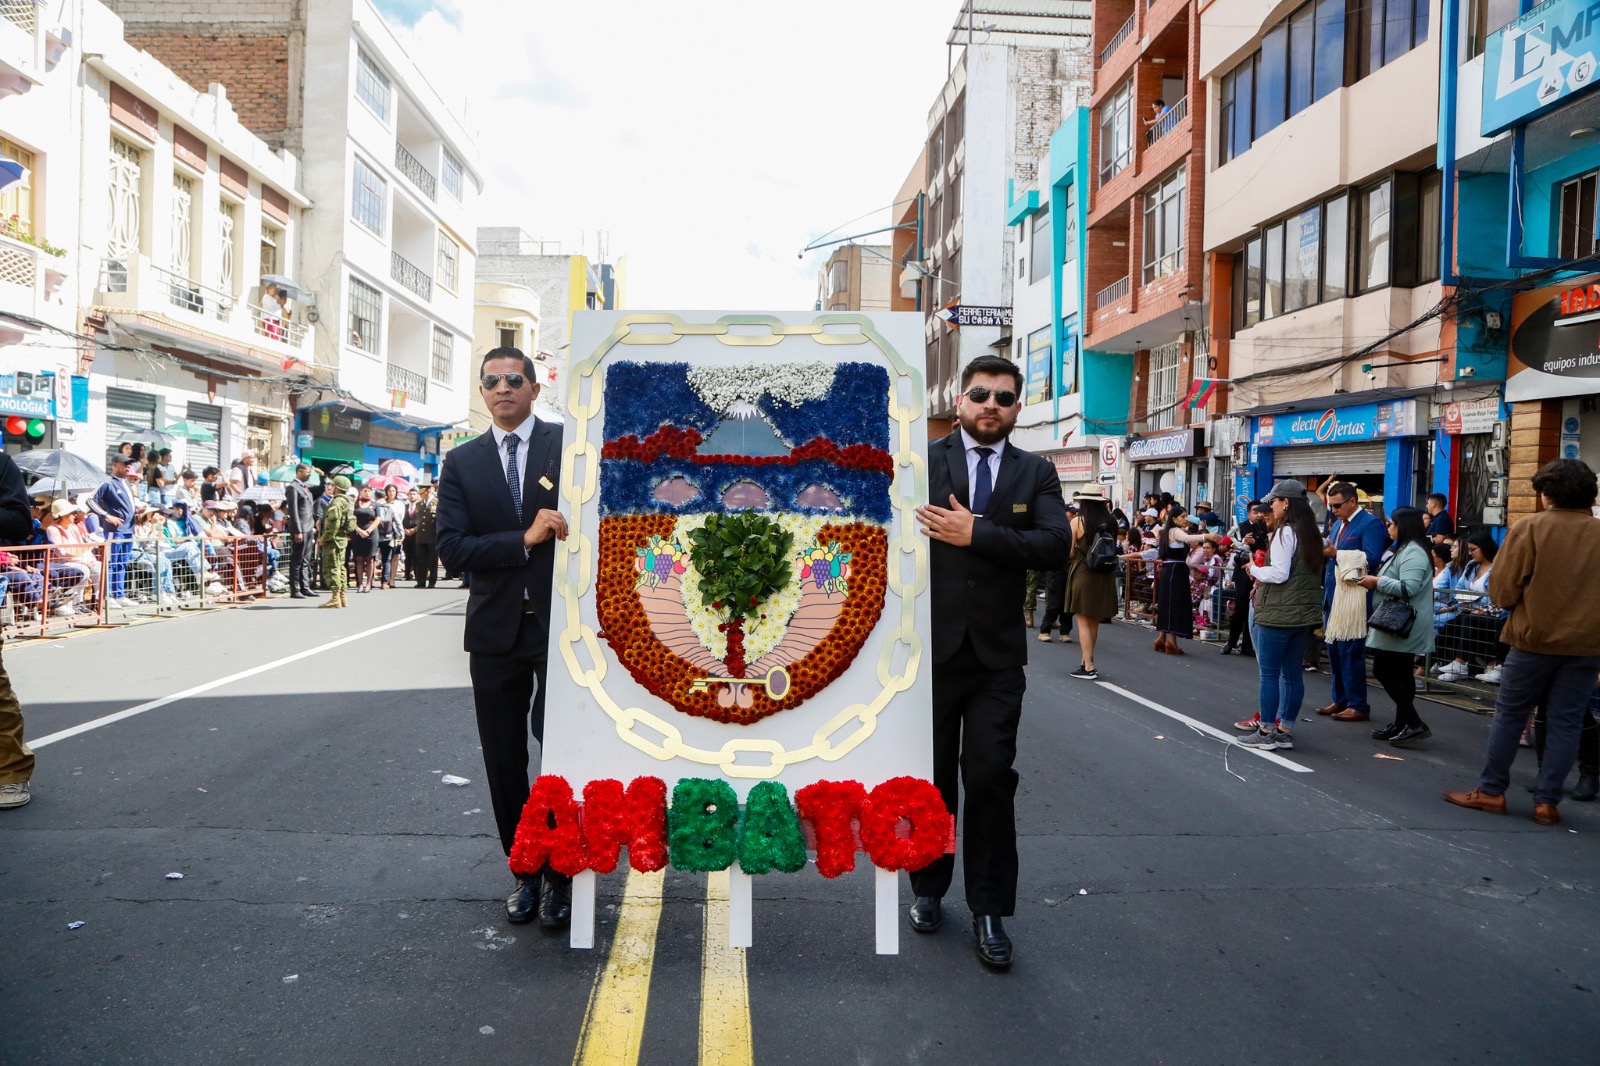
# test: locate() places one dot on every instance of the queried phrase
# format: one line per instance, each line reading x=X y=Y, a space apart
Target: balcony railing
x=194 y=297
x=1111 y=294
x=274 y=327
x=24 y=13
x=410 y=275
x=415 y=172
x=1167 y=122
x=1116 y=41
x=413 y=384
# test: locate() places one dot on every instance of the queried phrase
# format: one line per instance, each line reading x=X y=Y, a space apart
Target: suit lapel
x=540 y=443
x=1009 y=462
x=956 y=457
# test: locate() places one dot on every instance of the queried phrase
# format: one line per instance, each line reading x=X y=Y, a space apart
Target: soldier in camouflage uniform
x=1030 y=596
x=337 y=522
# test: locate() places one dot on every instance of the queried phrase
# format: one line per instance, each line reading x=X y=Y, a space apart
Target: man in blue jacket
x=1354 y=529
x=114 y=503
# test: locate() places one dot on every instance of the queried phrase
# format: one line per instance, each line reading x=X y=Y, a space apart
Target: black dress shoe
x=926 y=914
x=1410 y=733
x=1388 y=732
x=555 y=902
x=1587 y=787
x=1227 y=651
x=297 y=595
x=994 y=947
x=524 y=899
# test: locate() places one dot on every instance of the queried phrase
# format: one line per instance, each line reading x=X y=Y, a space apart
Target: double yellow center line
x=613 y=1025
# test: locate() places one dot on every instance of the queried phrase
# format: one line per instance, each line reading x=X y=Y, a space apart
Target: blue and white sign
x=28 y=395
x=1338 y=425
x=1540 y=60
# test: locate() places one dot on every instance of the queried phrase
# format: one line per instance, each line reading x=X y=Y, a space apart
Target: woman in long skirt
x=1175 y=598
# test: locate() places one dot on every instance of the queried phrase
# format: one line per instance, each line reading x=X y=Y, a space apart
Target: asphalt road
x=1182 y=901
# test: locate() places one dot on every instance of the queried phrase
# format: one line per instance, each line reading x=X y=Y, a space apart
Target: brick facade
x=253 y=67
x=1535 y=440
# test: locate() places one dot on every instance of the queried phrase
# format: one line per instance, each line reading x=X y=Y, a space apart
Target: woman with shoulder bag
x=1092 y=573
x=1288 y=607
x=1407 y=578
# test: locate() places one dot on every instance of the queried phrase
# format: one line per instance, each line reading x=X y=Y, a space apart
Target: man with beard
x=995 y=512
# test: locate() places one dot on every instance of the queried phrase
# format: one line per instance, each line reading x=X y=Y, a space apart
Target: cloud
x=710 y=141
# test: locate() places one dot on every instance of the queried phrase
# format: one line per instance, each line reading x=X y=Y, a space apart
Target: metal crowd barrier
x=1211 y=592
x=49 y=588
x=1467 y=650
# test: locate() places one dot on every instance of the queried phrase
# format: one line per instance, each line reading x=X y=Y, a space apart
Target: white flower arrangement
x=722 y=387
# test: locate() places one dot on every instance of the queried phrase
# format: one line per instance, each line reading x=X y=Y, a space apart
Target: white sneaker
x=66 y=610
x=1491 y=675
x=1455 y=672
x=215 y=588
x=14 y=795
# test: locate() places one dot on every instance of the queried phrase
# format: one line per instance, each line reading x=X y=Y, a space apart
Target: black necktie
x=983 y=486
x=512 y=480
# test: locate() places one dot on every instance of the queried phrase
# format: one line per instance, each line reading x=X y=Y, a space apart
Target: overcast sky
x=711 y=140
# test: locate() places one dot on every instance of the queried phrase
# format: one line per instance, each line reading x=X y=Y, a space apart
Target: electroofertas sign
x=1336 y=425
x=1178 y=444
x=1555 y=341
x=1539 y=61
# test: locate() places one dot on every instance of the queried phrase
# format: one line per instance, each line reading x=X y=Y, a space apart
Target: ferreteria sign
x=1539 y=61
x=1555 y=341
x=739 y=628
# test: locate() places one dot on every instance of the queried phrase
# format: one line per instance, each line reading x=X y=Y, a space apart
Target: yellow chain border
x=576 y=560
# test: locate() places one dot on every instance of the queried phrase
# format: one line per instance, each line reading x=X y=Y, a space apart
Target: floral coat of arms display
x=743 y=528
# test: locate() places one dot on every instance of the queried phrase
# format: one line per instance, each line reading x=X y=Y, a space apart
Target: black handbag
x=1392 y=616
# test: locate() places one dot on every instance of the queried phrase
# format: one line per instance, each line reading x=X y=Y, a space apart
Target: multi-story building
x=564 y=284
x=1322 y=231
x=507 y=316
x=856 y=277
x=1144 y=273
x=905 y=240
x=1005 y=95
x=1519 y=140
x=164 y=205
x=40 y=369
x=1073 y=399
x=388 y=254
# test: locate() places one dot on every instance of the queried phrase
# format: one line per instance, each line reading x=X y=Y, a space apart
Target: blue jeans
x=1563 y=683
x=1279 y=651
x=120 y=549
x=1348 y=661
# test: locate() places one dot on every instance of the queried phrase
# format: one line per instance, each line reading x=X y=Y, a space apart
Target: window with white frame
x=366 y=304
x=182 y=260
x=372 y=85
x=16 y=199
x=1163 y=227
x=443 y=355
x=449 y=262
x=1039 y=246
x=1116 y=132
x=510 y=334
x=227 y=216
x=368 y=196
x=271 y=241
x=1577 y=216
x=1162 y=397
x=453 y=174
x=126 y=171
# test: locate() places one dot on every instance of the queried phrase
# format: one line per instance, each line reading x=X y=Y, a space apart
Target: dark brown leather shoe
x=1348 y=715
x=1332 y=708
x=1547 y=814
x=1477 y=800
x=926 y=914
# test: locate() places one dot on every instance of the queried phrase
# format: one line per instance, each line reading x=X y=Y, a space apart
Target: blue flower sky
x=710 y=140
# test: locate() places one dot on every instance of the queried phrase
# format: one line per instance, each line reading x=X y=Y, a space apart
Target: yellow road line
x=725 y=1038
x=613 y=1026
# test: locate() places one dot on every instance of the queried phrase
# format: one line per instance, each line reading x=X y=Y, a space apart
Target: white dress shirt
x=973 y=459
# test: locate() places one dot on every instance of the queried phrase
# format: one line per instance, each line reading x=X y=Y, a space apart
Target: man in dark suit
x=995 y=512
x=497 y=518
x=300 y=522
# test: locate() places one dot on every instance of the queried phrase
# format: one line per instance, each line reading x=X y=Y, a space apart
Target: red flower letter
x=919 y=803
x=548 y=831
x=637 y=818
x=830 y=807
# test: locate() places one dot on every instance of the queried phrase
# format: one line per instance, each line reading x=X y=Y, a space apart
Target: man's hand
x=298 y=537
x=953 y=526
x=546 y=524
x=112 y=521
x=1330 y=552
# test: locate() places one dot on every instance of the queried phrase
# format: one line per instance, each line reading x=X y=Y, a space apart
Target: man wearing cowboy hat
x=113 y=502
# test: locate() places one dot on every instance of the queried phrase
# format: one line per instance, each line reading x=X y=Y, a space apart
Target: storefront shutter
x=1366 y=457
x=200 y=454
x=130 y=416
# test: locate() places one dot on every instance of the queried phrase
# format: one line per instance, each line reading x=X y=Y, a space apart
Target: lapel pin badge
x=546 y=483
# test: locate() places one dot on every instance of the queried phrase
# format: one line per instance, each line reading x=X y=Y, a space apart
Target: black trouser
x=1588 y=740
x=1239 y=620
x=409 y=544
x=301 y=554
x=1393 y=671
x=426 y=564
x=508 y=691
x=976 y=712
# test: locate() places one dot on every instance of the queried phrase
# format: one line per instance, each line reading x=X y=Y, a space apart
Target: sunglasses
x=979 y=394
x=490 y=382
